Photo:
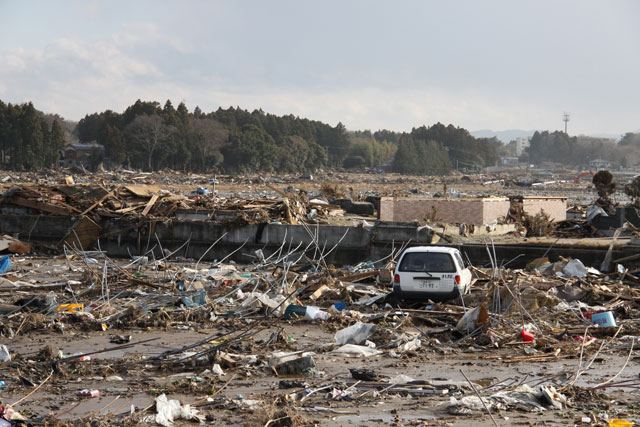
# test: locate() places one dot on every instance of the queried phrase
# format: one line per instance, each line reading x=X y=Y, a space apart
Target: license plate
x=429 y=285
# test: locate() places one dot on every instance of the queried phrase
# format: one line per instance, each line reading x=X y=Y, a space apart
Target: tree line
x=578 y=151
x=437 y=149
x=29 y=139
x=150 y=136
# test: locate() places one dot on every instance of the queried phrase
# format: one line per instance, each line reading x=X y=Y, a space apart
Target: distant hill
x=503 y=135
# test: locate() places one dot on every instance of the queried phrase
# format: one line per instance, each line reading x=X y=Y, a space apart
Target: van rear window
x=427 y=261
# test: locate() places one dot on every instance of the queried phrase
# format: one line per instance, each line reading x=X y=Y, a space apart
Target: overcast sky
x=370 y=64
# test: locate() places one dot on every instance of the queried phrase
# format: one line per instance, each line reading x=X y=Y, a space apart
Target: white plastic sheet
x=575 y=268
x=4 y=354
x=594 y=211
x=354 y=334
x=168 y=411
x=357 y=350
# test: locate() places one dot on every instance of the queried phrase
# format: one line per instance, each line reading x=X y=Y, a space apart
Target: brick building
x=555 y=207
x=456 y=211
x=478 y=211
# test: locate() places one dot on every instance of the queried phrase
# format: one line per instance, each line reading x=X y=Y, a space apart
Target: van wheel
x=394 y=297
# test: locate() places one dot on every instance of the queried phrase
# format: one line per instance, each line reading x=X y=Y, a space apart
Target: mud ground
x=140 y=386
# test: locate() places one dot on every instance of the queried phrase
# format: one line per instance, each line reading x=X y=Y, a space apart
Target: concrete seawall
x=125 y=237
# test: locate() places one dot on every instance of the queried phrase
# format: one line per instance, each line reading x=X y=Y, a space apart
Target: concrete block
x=358 y=208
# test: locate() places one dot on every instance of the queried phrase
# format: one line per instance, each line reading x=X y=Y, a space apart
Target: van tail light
x=458 y=279
x=396 y=278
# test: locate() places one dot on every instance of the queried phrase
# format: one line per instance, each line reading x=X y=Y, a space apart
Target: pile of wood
x=137 y=200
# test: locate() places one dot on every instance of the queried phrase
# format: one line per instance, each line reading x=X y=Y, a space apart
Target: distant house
x=509 y=161
x=600 y=164
x=521 y=145
x=79 y=155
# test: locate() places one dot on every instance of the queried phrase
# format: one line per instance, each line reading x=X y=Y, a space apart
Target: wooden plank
x=82 y=235
x=90 y=208
x=359 y=276
x=41 y=206
x=142 y=190
x=287 y=212
x=172 y=210
x=253 y=206
x=63 y=204
x=147 y=208
x=130 y=208
x=627 y=258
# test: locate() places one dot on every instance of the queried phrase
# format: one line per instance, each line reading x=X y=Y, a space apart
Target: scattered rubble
x=289 y=339
x=542 y=315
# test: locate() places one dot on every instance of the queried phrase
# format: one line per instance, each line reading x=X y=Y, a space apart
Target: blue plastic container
x=5 y=264
x=603 y=319
x=340 y=305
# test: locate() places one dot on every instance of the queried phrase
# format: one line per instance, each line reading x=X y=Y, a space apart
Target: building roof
x=84 y=147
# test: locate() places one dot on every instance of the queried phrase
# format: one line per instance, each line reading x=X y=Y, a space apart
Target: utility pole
x=565 y=119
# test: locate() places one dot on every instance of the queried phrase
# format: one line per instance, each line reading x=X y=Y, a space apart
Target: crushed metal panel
x=82 y=234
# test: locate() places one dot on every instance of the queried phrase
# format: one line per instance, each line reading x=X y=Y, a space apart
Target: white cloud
x=75 y=77
x=384 y=83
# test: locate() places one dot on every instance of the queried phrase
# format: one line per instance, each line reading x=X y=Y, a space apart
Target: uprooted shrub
x=633 y=191
x=538 y=225
x=332 y=192
x=433 y=215
x=603 y=180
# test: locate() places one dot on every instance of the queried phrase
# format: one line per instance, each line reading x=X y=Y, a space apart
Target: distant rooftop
x=85 y=147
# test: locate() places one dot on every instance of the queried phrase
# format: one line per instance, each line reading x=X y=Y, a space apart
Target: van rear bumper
x=424 y=295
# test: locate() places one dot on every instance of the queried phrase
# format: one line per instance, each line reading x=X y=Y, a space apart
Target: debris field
x=288 y=339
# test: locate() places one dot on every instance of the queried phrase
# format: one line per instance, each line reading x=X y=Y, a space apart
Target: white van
x=431 y=272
